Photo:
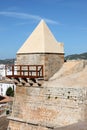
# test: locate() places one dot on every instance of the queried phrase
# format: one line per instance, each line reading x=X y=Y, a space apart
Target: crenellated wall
x=44 y=108
x=52 y=62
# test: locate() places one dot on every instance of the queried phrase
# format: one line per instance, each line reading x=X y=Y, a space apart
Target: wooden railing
x=24 y=71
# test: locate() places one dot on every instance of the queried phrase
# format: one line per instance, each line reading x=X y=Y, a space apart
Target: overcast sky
x=67 y=20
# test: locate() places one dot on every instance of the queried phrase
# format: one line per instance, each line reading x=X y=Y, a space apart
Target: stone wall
x=51 y=62
x=19 y=125
x=44 y=108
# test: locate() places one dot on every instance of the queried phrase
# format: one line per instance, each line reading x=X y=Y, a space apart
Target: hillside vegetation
x=7 y=61
x=77 y=56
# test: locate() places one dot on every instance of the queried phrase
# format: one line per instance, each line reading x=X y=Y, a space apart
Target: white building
x=2 y=70
x=4 y=85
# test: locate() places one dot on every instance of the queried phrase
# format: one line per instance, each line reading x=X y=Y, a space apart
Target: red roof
x=6 y=99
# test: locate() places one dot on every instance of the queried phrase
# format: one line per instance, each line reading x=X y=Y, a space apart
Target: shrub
x=10 y=92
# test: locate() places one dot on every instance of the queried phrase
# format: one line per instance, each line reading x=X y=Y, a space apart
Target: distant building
x=4 y=85
x=2 y=71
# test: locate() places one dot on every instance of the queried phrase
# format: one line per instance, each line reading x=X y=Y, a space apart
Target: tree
x=10 y=92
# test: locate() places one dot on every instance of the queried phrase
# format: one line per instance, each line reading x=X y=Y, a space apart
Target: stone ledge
x=33 y=124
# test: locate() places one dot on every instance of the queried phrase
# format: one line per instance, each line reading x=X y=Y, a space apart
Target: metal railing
x=24 y=71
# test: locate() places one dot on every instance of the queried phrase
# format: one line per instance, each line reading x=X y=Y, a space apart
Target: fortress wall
x=51 y=62
x=48 y=107
x=13 y=125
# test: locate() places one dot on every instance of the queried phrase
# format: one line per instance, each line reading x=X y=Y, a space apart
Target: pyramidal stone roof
x=41 y=40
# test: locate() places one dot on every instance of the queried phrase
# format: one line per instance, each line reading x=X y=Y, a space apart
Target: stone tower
x=41 y=48
x=37 y=60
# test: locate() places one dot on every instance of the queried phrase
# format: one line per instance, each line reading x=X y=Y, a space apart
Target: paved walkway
x=77 y=126
x=3 y=123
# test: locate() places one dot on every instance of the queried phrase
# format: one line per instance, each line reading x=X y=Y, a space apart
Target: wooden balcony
x=24 y=71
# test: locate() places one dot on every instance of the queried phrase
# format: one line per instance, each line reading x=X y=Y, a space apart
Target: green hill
x=7 y=61
x=76 y=56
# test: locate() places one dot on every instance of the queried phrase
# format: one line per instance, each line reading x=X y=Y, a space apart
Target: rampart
x=45 y=108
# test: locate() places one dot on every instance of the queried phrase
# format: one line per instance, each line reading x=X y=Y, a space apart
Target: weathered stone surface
x=49 y=107
x=14 y=125
x=51 y=62
x=3 y=123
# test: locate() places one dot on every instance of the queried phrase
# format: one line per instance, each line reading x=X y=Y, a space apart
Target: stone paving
x=76 y=126
x=3 y=123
